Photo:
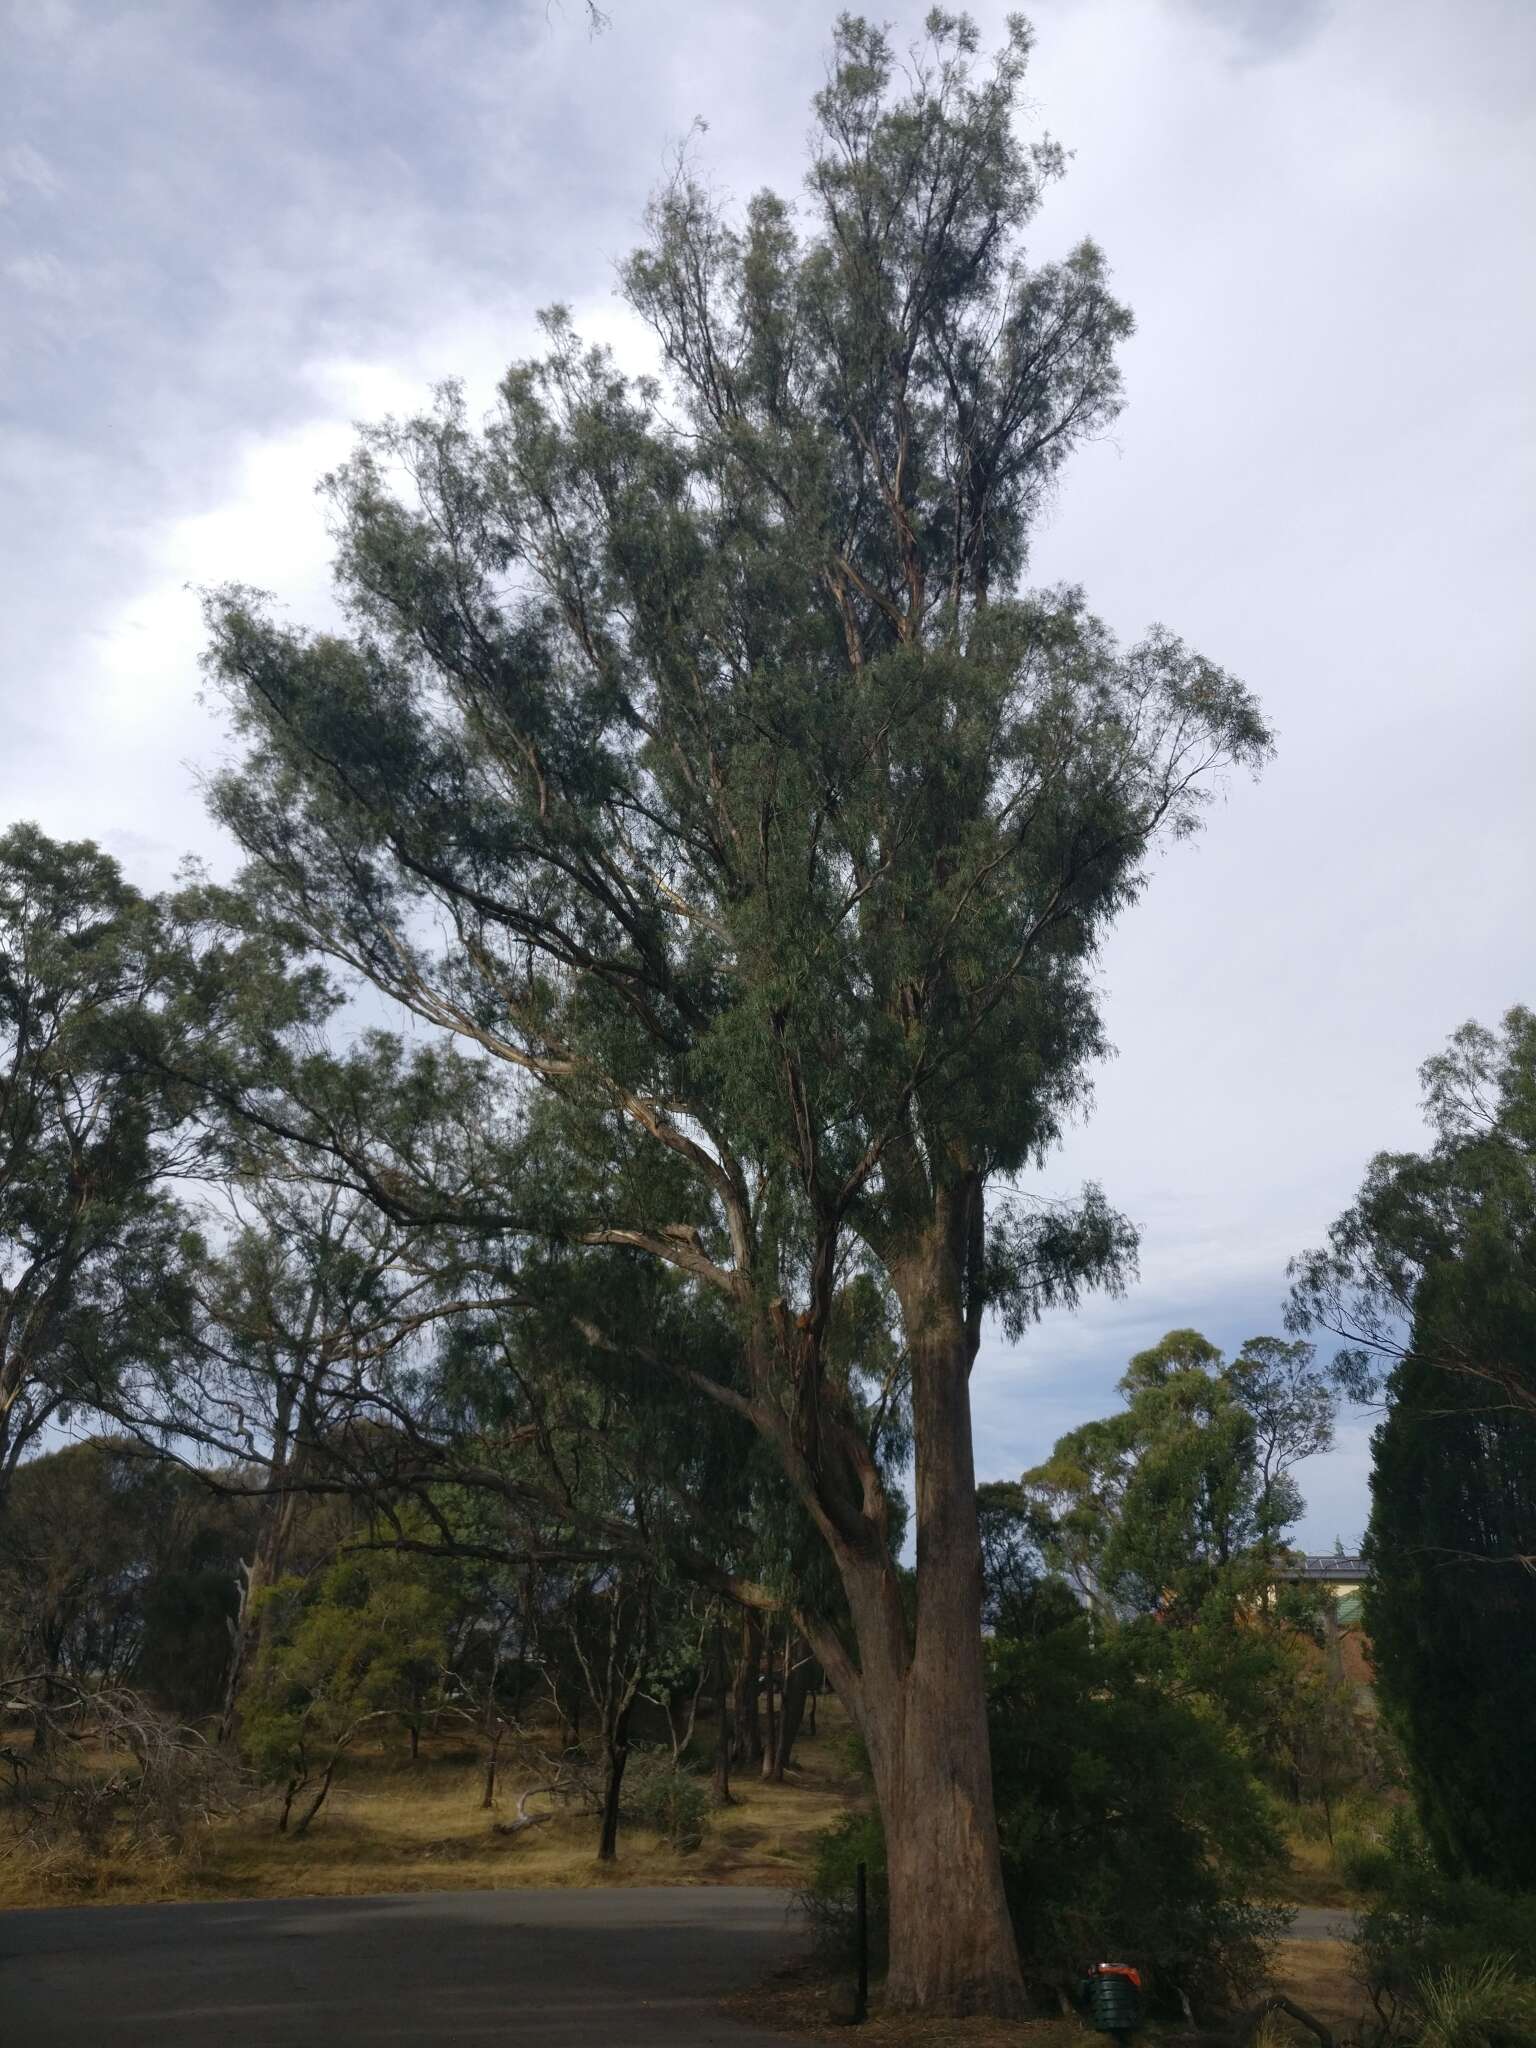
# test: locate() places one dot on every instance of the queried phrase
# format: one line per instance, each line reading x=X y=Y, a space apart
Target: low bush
x=1362 y=1859
x=672 y=1802
x=827 y=1898
x=1430 y=1946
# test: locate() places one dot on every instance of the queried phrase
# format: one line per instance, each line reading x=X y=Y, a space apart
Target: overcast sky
x=229 y=229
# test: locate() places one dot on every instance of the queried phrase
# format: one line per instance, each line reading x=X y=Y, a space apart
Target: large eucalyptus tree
x=695 y=750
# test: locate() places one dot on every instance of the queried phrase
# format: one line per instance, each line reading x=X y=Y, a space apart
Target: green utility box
x=1112 y=1999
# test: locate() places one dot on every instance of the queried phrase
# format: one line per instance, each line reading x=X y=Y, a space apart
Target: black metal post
x=861 y=1929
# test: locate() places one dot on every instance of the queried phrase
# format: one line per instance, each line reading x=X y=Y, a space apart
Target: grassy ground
x=1318 y=1976
x=1315 y=1880
x=390 y=1826
x=1315 y=1974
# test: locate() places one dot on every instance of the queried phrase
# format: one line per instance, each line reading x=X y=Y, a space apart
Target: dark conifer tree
x=1432 y=1275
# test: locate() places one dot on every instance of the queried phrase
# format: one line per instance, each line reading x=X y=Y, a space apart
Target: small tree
x=116 y=1570
x=355 y=1645
x=1021 y=1595
x=608 y=1621
x=1322 y=1742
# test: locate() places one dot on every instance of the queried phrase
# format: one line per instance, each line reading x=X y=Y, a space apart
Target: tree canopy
x=1184 y=1497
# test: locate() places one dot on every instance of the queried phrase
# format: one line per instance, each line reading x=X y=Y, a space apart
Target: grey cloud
x=1324 y=478
x=1264 y=29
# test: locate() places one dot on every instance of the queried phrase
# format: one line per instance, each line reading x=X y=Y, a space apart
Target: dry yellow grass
x=1318 y=1976
x=1314 y=1880
x=390 y=1826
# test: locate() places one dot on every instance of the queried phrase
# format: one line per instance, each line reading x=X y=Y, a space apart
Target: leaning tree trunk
x=918 y=1696
x=250 y=1628
x=240 y=1632
x=316 y=1803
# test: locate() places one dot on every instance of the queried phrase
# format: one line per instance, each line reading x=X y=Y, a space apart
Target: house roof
x=1334 y=1569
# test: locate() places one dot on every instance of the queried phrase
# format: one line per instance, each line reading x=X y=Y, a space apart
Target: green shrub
x=1128 y=1820
x=827 y=1899
x=1426 y=1934
x=673 y=1803
x=1362 y=1859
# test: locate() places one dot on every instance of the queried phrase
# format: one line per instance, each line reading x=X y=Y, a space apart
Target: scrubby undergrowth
x=390 y=1826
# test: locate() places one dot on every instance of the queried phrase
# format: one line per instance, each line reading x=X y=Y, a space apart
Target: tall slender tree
x=695 y=752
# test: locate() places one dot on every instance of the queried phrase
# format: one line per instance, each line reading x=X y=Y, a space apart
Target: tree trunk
x=249 y=1631
x=748 y=1745
x=918 y=1697
x=318 y=1801
x=415 y=1731
x=680 y=1733
x=771 y=1772
x=240 y=1632
x=797 y=1686
x=721 y=1790
x=294 y=1788
x=617 y=1750
x=492 y=1759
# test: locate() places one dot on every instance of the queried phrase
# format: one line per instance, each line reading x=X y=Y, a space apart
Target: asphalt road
x=1321 y=1923
x=614 y=1968
x=603 y=1969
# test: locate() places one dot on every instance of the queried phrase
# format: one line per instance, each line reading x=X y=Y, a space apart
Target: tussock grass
x=1487 y=2005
